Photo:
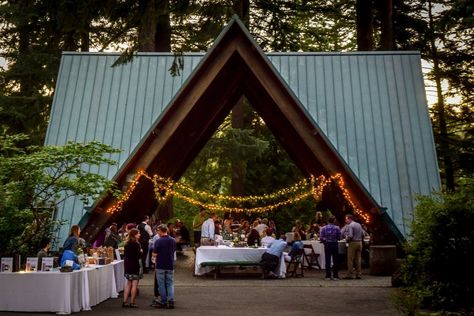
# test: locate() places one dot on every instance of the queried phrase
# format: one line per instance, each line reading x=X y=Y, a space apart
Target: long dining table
x=59 y=292
x=231 y=254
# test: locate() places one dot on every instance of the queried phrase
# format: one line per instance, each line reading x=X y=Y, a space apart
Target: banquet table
x=118 y=272
x=102 y=284
x=318 y=247
x=229 y=254
x=58 y=292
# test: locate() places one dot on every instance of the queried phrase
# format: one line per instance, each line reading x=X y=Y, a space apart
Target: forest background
x=242 y=157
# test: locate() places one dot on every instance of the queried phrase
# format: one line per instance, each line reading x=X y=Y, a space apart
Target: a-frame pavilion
x=362 y=115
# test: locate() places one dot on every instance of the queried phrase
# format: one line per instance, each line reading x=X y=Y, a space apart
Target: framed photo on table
x=31 y=264
x=47 y=264
x=6 y=264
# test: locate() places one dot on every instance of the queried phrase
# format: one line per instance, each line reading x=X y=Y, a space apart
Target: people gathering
x=262 y=232
x=151 y=244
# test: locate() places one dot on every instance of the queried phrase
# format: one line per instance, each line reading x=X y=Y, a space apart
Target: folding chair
x=295 y=263
x=311 y=258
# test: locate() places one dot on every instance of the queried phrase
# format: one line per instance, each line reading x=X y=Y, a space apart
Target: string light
x=297 y=187
x=340 y=182
x=118 y=205
x=164 y=188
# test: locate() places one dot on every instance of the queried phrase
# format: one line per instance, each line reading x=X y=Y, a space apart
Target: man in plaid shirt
x=329 y=236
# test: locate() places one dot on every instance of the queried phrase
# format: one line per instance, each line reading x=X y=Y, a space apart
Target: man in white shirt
x=208 y=231
x=261 y=227
x=267 y=239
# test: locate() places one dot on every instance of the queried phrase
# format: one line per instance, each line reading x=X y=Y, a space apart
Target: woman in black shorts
x=132 y=266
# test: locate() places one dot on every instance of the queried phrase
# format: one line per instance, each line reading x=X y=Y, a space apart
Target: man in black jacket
x=145 y=235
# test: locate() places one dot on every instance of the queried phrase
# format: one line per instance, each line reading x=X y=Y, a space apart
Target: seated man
x=267 y=237
x=271 y=257
x=45 y=244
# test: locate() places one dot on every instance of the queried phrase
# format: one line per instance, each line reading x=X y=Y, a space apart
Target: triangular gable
x=234 y=66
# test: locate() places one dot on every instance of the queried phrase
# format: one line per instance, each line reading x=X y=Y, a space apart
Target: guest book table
x=59 y=292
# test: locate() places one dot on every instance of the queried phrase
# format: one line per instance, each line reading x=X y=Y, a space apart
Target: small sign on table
x=31 y=264
x=6 y=264
x=47 y=264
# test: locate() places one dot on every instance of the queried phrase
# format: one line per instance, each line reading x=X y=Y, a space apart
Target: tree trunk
x=241 y=8
x=364 y=23
x=443 y=139
x=70 y=44
x=147 y=27
x=237 y=182
x=85 y=39
x=163 y=27
x=24 y=32
x=385 y=10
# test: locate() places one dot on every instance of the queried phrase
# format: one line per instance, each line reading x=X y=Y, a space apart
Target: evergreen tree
x=32 y=37
x=442 y=31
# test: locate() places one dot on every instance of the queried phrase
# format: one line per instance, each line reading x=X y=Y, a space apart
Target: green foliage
x=308 y=25
x=447 y=40
x=35 y=180
x=212 y=168
x=437 y=271
x=33 y=35
x=267 y=168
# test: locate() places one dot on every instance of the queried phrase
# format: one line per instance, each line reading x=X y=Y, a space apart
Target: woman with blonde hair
x=132 y=254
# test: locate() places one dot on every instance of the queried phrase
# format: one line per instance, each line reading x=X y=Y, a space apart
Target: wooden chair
x=311 y=258
x=295 y=263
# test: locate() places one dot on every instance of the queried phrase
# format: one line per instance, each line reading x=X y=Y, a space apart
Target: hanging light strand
x=297 y=187
x=119 y=204
x=164 y=188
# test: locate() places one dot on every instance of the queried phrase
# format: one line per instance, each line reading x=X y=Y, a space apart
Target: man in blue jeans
x=165 y=248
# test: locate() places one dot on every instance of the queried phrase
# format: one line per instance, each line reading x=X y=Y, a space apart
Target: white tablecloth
x=119 y=278
x=229 y=254
x=318 y=247
x=57 y=292
x=101 y=283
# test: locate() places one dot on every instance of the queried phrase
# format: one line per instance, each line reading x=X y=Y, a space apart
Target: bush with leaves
x=437 y=272
x=35 y=180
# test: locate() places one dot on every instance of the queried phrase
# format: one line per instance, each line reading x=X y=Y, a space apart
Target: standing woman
x=72 y=241
x=133 y=254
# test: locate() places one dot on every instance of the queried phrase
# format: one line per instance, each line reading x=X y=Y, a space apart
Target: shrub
x=436 y=270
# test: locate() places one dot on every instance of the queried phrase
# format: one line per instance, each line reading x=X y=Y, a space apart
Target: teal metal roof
x=370 y=105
